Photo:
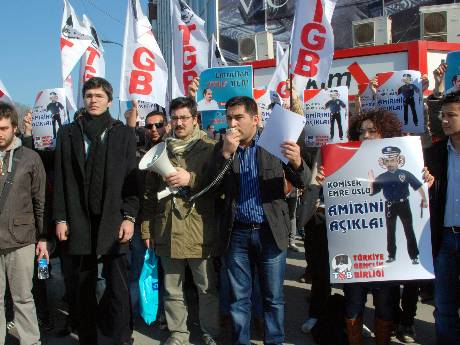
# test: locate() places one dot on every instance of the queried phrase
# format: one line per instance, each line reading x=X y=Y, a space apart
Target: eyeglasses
x=156 y=124
x=181 y=118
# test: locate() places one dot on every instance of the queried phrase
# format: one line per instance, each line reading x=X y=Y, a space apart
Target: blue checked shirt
x=249 y=205
x=452 y=214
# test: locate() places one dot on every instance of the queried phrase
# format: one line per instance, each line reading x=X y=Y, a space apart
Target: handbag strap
x=10 y=179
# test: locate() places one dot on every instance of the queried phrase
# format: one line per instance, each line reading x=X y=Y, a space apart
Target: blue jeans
x=249 y=249
x=447 y=290
x=356 y=296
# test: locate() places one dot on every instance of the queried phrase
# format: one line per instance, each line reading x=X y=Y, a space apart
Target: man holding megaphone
x=183 y=233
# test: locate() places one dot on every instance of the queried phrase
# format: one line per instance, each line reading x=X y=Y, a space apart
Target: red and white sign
x=92 y=63
x=278 y=82
x=312 y=41
x=144 y=74
x=75 y=39
x=190 y=47
x=4 y=95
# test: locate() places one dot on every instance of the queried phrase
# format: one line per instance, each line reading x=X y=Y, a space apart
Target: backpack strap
x=10 y=178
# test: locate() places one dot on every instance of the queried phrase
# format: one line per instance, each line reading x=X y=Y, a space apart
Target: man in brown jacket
x=22 y=202
x=184 y=234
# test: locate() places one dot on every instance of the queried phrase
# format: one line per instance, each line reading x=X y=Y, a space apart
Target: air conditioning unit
x=440 y=23
x=258 y=46
x=372 y=31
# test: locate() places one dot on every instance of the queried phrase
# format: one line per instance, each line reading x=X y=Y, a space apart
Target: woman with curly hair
x=375 y=124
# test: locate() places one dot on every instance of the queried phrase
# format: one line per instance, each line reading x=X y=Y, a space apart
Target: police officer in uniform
x=334 y=106
x=407 y=91
x=395 y=184
x=55 y=108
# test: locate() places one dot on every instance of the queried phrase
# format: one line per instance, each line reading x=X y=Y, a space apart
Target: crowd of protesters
x=87 y=201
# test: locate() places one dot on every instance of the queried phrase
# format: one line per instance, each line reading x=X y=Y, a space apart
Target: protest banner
x=401 y=93
x=368 y=98
x=452 y=77
x=282 y=125
x=218 y=85
x=92 y=63
x=144 y=73
x=217 y=59
x=263 y=100
x=326 y=115
x=189 y=47
x=312 y=42
x=279 y=52
x=143 y=109
x=48 y=115
x=374 y=199
x=4 y=95
x=215 y=118
x=278 y=82
x=75 y=39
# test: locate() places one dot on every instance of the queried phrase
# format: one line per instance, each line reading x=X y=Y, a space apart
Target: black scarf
x=93 y=127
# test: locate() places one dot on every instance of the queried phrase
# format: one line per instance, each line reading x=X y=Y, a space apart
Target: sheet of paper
x=281 y=126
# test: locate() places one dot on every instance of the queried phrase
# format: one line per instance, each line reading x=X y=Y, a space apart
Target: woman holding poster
x=377 y=124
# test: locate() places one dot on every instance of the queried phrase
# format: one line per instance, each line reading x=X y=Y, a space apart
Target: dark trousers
x=56 y=118
x=410 y=102
x=338 y=118
x=394 y=209
x=316 y=245
x=406 y=302
x=70 y=265
x=115 y=307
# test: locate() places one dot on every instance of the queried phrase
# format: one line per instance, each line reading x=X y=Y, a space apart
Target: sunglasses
x=157 y=125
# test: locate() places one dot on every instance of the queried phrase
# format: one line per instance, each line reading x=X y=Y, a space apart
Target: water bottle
x=43 y=269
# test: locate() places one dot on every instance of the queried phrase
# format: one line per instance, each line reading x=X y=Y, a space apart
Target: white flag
x=4 y=95
x=75 y=39
x=70 y=101
x=92 y=63
x=190 y=47
x=144 y=74
x=217 y=58
x=278 y=81
x=312 y=42
x=279 y=53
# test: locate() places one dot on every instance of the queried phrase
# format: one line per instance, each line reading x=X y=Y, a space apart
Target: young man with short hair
x=95 y=207
x=443 y=161
x=22 y=204
x=256 y=218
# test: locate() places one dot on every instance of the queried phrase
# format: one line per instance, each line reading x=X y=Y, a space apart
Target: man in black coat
x=256 y=218
x=443 y=162
x=95 y=206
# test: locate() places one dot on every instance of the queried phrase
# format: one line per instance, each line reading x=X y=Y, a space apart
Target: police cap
x=391 y=150
x=407 y=75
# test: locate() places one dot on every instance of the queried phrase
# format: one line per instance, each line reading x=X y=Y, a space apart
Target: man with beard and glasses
x=95 y=208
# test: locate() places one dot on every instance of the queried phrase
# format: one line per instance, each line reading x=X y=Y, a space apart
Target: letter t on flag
x=144 y=73
x=312 y=42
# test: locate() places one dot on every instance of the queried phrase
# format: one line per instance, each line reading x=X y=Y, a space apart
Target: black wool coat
x=120 y=195
x=436 y=160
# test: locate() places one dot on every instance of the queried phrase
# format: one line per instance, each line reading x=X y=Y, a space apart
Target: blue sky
x=30 y=57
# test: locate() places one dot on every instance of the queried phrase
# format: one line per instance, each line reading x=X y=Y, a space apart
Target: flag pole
x=290 y=76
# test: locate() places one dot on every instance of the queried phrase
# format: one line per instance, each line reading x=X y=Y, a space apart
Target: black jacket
x=436 y=159
x=271 y=182
x=120 y=191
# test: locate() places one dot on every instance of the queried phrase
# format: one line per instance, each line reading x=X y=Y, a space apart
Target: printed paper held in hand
x=281 y=126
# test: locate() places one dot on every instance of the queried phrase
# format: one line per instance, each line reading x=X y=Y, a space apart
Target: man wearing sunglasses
x=155 y=128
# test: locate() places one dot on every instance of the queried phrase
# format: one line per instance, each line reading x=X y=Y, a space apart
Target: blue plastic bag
x=148 y=287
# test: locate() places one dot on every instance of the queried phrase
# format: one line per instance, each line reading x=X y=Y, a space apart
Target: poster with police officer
x=401 y=93
x=376 y=207
x=326 y=113
x=48 y=115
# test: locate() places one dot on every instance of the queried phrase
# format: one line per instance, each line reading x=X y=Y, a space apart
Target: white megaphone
x=156 y=160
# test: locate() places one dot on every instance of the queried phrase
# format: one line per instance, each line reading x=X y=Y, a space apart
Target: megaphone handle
x=167 y=191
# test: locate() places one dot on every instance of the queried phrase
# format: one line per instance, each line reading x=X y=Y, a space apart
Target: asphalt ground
x=296 y=311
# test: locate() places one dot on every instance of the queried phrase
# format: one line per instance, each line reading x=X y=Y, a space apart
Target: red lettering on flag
x=65 y=43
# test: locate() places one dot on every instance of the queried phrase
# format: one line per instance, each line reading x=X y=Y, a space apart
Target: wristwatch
x=131 y=219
